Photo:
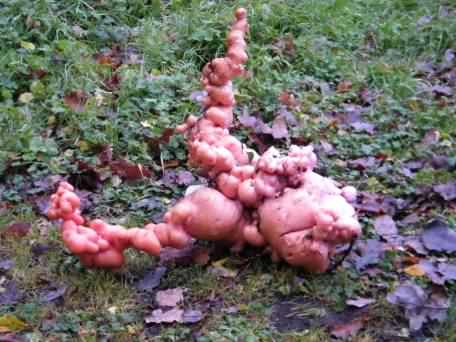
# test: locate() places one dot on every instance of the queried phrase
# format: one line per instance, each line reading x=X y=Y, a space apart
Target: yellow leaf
x=52 y=120
x=27 y=45
x=145 y=124
x=25 y=97
x=83 y=146
x=415 y=270
x=219 y=269
x=10 y=323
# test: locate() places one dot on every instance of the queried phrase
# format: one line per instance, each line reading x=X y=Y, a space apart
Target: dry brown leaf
x=415 y=270
x=344 y=86
x=76 y=100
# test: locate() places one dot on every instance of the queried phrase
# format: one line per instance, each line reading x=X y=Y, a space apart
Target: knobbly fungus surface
x=93 y=89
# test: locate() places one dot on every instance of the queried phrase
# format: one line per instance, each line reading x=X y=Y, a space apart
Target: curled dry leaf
x=130 y=171
x=76 y=100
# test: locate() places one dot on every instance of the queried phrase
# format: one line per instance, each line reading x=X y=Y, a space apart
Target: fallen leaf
x=360 y=302
x=415 y=270
x=148 y=203
x=11 y=337
x=442 y=90
x=370 y=253
x=6 y=265
x=220 y=270
x=385 y=226
x=170 y=297
x=50 y=295
x=18 y=229
x=201 y=256
x=279 y=128
x=152 y=279
x=198 y=96
x=288 y=99
x=439 y=273
x=76 y=100
x=289 y=117
x=9 y=294
x=184 y=177
x=440 y=162
x=327 y=147
x=424 y=67
x=105 y=155
x=37 y=74
x=112 y=83
x=363 y=126
x=110 y=57
x=254 y=122
x=27 y=45
x=192 y=316
x=9 y=323
x=39 y=249
x=178 y=256
x=423 y=21
x=447 y=191
x=438 y=237
x=449 y=56
x=410 y=219
x=420 y=306
x=416 y=245
x=130 y=171
x=431 y=137
x=174 y=315
x=78 y=31
x=345 y=330
x=169 y=316
x=344 y=86
x=364 y=163
x=284 y=46
x=25 y=98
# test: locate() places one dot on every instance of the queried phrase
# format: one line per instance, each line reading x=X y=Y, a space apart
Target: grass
x=51 y=48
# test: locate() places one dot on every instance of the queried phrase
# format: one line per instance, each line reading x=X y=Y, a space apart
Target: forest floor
x=91 y=90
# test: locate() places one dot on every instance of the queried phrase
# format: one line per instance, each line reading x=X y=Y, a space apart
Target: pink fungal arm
x=274 y=201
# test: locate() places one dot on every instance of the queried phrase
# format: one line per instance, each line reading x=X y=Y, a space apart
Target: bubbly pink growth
x=275 y=200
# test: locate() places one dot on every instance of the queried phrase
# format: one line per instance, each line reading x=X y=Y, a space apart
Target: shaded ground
x=90 y=90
